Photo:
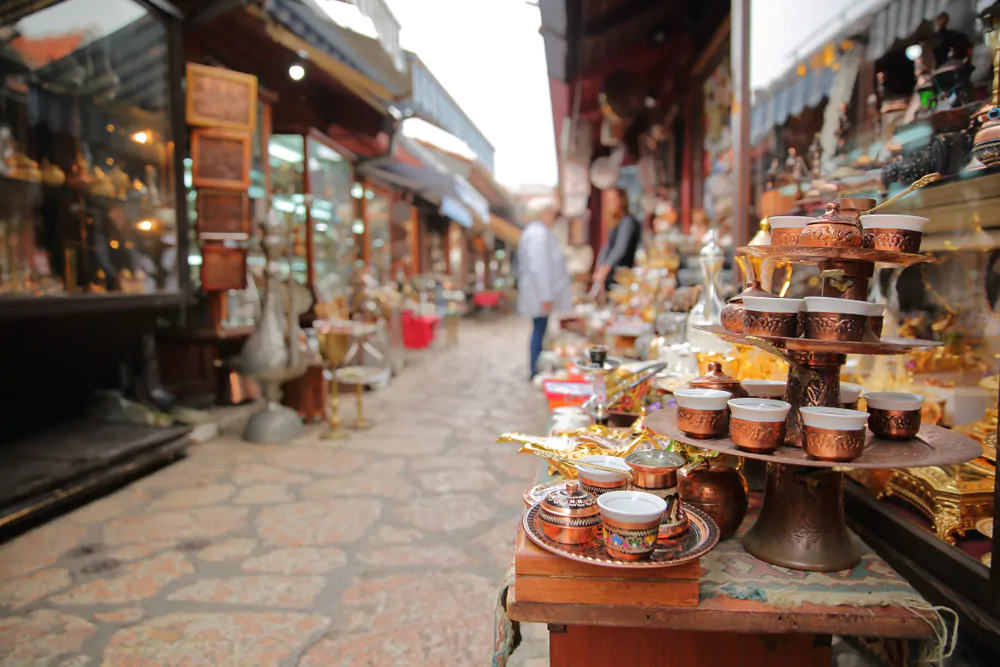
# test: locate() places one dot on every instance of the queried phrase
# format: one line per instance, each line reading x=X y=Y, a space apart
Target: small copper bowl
x=894 y=240
x=832 y=445
x=570 y=515
x=894 y=415
x=758 y=424
x=833 y=434
x=757 y=437
x=875 y=323
x=836 y=326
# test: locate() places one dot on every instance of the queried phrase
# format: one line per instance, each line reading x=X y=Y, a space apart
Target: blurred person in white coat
x=542 y=279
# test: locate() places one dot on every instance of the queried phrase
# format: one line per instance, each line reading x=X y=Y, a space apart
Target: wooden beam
x=621 y=13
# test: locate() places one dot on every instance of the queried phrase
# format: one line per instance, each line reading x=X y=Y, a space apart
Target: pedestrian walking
x=542 y=279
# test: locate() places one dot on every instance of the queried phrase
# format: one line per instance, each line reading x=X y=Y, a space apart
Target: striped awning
x=899 y=19
x=788 y=98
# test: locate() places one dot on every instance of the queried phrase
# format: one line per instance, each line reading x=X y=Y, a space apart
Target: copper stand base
x=801 y=524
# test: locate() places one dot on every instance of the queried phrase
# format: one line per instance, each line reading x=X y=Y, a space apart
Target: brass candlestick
x=333 y=419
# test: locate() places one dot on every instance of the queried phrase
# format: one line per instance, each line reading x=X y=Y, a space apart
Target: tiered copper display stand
x=801 y=524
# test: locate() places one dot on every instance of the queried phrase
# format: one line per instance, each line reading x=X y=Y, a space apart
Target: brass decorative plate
x=885 y=346
x=815 y=255
x=933 y=446
x=985 y=526
x=700 y=538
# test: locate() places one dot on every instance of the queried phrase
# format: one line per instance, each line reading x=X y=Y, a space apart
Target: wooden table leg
x=583 y=646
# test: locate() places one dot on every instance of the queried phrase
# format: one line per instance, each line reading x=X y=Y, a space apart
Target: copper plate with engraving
x=818 y=254
x=698 y=540
x=884 y=346
x=933 y=446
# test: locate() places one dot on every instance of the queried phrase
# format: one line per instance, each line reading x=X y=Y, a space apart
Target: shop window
x=333 y=212
x=377 y=216
x=87 y=198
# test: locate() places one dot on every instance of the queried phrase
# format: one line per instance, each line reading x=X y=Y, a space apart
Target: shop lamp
x=296 y=72
x=144 y=225
x=914 y=51
x=140 y=137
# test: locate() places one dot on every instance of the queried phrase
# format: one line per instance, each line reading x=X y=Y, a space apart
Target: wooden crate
x=541 y=576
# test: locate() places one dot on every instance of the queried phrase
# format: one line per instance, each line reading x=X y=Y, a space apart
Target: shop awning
x=506 y=231
x=423 y=174
x=899 y=19
x=787 y=98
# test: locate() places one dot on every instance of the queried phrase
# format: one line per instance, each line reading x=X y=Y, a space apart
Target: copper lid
x=716 y=379
x=753 y=288
x=571 y=501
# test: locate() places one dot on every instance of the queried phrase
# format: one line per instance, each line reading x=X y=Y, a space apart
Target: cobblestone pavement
x=382 y=549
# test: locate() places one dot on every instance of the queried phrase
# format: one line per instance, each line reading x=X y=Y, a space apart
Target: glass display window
x=333 y=210
x=286 y=154
x=378 y=212
x=87 y=201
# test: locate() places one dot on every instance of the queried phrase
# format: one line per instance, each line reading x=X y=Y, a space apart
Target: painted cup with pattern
x=597 y=481
x=630 y=523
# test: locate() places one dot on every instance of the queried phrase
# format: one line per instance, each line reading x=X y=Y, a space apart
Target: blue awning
x=451 y=208
x=899 y=19
x=788 y=98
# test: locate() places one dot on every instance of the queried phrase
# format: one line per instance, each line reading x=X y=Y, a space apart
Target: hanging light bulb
x=297 y=72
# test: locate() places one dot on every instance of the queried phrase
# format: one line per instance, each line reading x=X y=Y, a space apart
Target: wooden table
x=722 y=631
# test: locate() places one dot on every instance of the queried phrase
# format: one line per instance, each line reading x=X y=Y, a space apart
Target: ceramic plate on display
x=700 y=538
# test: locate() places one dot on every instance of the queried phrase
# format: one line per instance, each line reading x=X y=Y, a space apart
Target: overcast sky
x=489 y=55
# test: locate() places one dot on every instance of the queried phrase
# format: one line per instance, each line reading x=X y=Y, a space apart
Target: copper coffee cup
x=833 y=434
x=828 y=318
x=655 y=471
x=894 y=415
x=702 y=413
x=771 y=316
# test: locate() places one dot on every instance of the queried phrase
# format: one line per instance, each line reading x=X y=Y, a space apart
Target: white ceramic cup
x=850 y=392
x=913 y=223
x=771 y=304
x=789 y=221
x=701 y=399
x=876 y=309
x=894 y=400
x=764 y=388
x=835 y=419
x=826 y=304
x=631 y=506
x=759 y=409
x=602 y=475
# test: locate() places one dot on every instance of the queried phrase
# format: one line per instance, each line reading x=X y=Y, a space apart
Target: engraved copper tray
x=884 y=346
x=815 y=255
x=933 y=446
x=700 y=538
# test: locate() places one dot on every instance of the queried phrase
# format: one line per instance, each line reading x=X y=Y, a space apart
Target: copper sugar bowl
x=732 y=313
x=655 y=471
x=840 y=226
x=720 y=491
x=570 y=515
x=716 y=379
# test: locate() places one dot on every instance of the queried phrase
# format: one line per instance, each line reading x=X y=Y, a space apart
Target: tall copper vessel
x=721 y=492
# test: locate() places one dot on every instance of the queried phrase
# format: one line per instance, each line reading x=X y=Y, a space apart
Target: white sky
x=490 y=57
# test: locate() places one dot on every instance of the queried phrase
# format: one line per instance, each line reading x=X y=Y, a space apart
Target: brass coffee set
x=800 y=426
x=336 y=346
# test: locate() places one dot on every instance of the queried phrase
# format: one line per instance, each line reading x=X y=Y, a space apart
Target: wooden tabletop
x=739 y=593
x=731 y=615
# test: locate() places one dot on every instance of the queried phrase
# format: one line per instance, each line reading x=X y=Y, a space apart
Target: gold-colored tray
x=985 y=526
x=933 y=446
x=816 y=255
x=701 y=537
x=885 y=346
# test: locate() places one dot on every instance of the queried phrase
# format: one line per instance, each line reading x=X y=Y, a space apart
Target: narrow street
x=382 y=549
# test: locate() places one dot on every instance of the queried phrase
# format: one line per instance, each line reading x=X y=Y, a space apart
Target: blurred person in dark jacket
x=623 y=241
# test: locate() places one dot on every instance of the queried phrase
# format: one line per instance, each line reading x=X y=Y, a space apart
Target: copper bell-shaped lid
x=716 y=379
x=571 y=501
x=753 y=288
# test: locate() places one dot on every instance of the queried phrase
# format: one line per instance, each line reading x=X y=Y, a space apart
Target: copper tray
x=815 y=255
x=700 y=538
x=884 y=346
x=933 y=446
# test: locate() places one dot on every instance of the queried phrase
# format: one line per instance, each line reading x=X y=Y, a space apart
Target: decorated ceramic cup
x=833 y=434
x=895 y=415
x=630 y=521
x=758 y=424
x=702 y=413
x=601 y=481
x=764 y=388
x=785 y=229
x=896 y=233
x=771 y=316
x=828 y=318
x=849 y=395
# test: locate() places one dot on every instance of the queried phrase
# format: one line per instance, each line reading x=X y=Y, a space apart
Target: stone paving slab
x=382 y=549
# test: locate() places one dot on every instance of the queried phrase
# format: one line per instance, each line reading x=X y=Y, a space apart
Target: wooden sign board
x=223 y=215
x=218 y=97
x=223 y=268
x=220 y=159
